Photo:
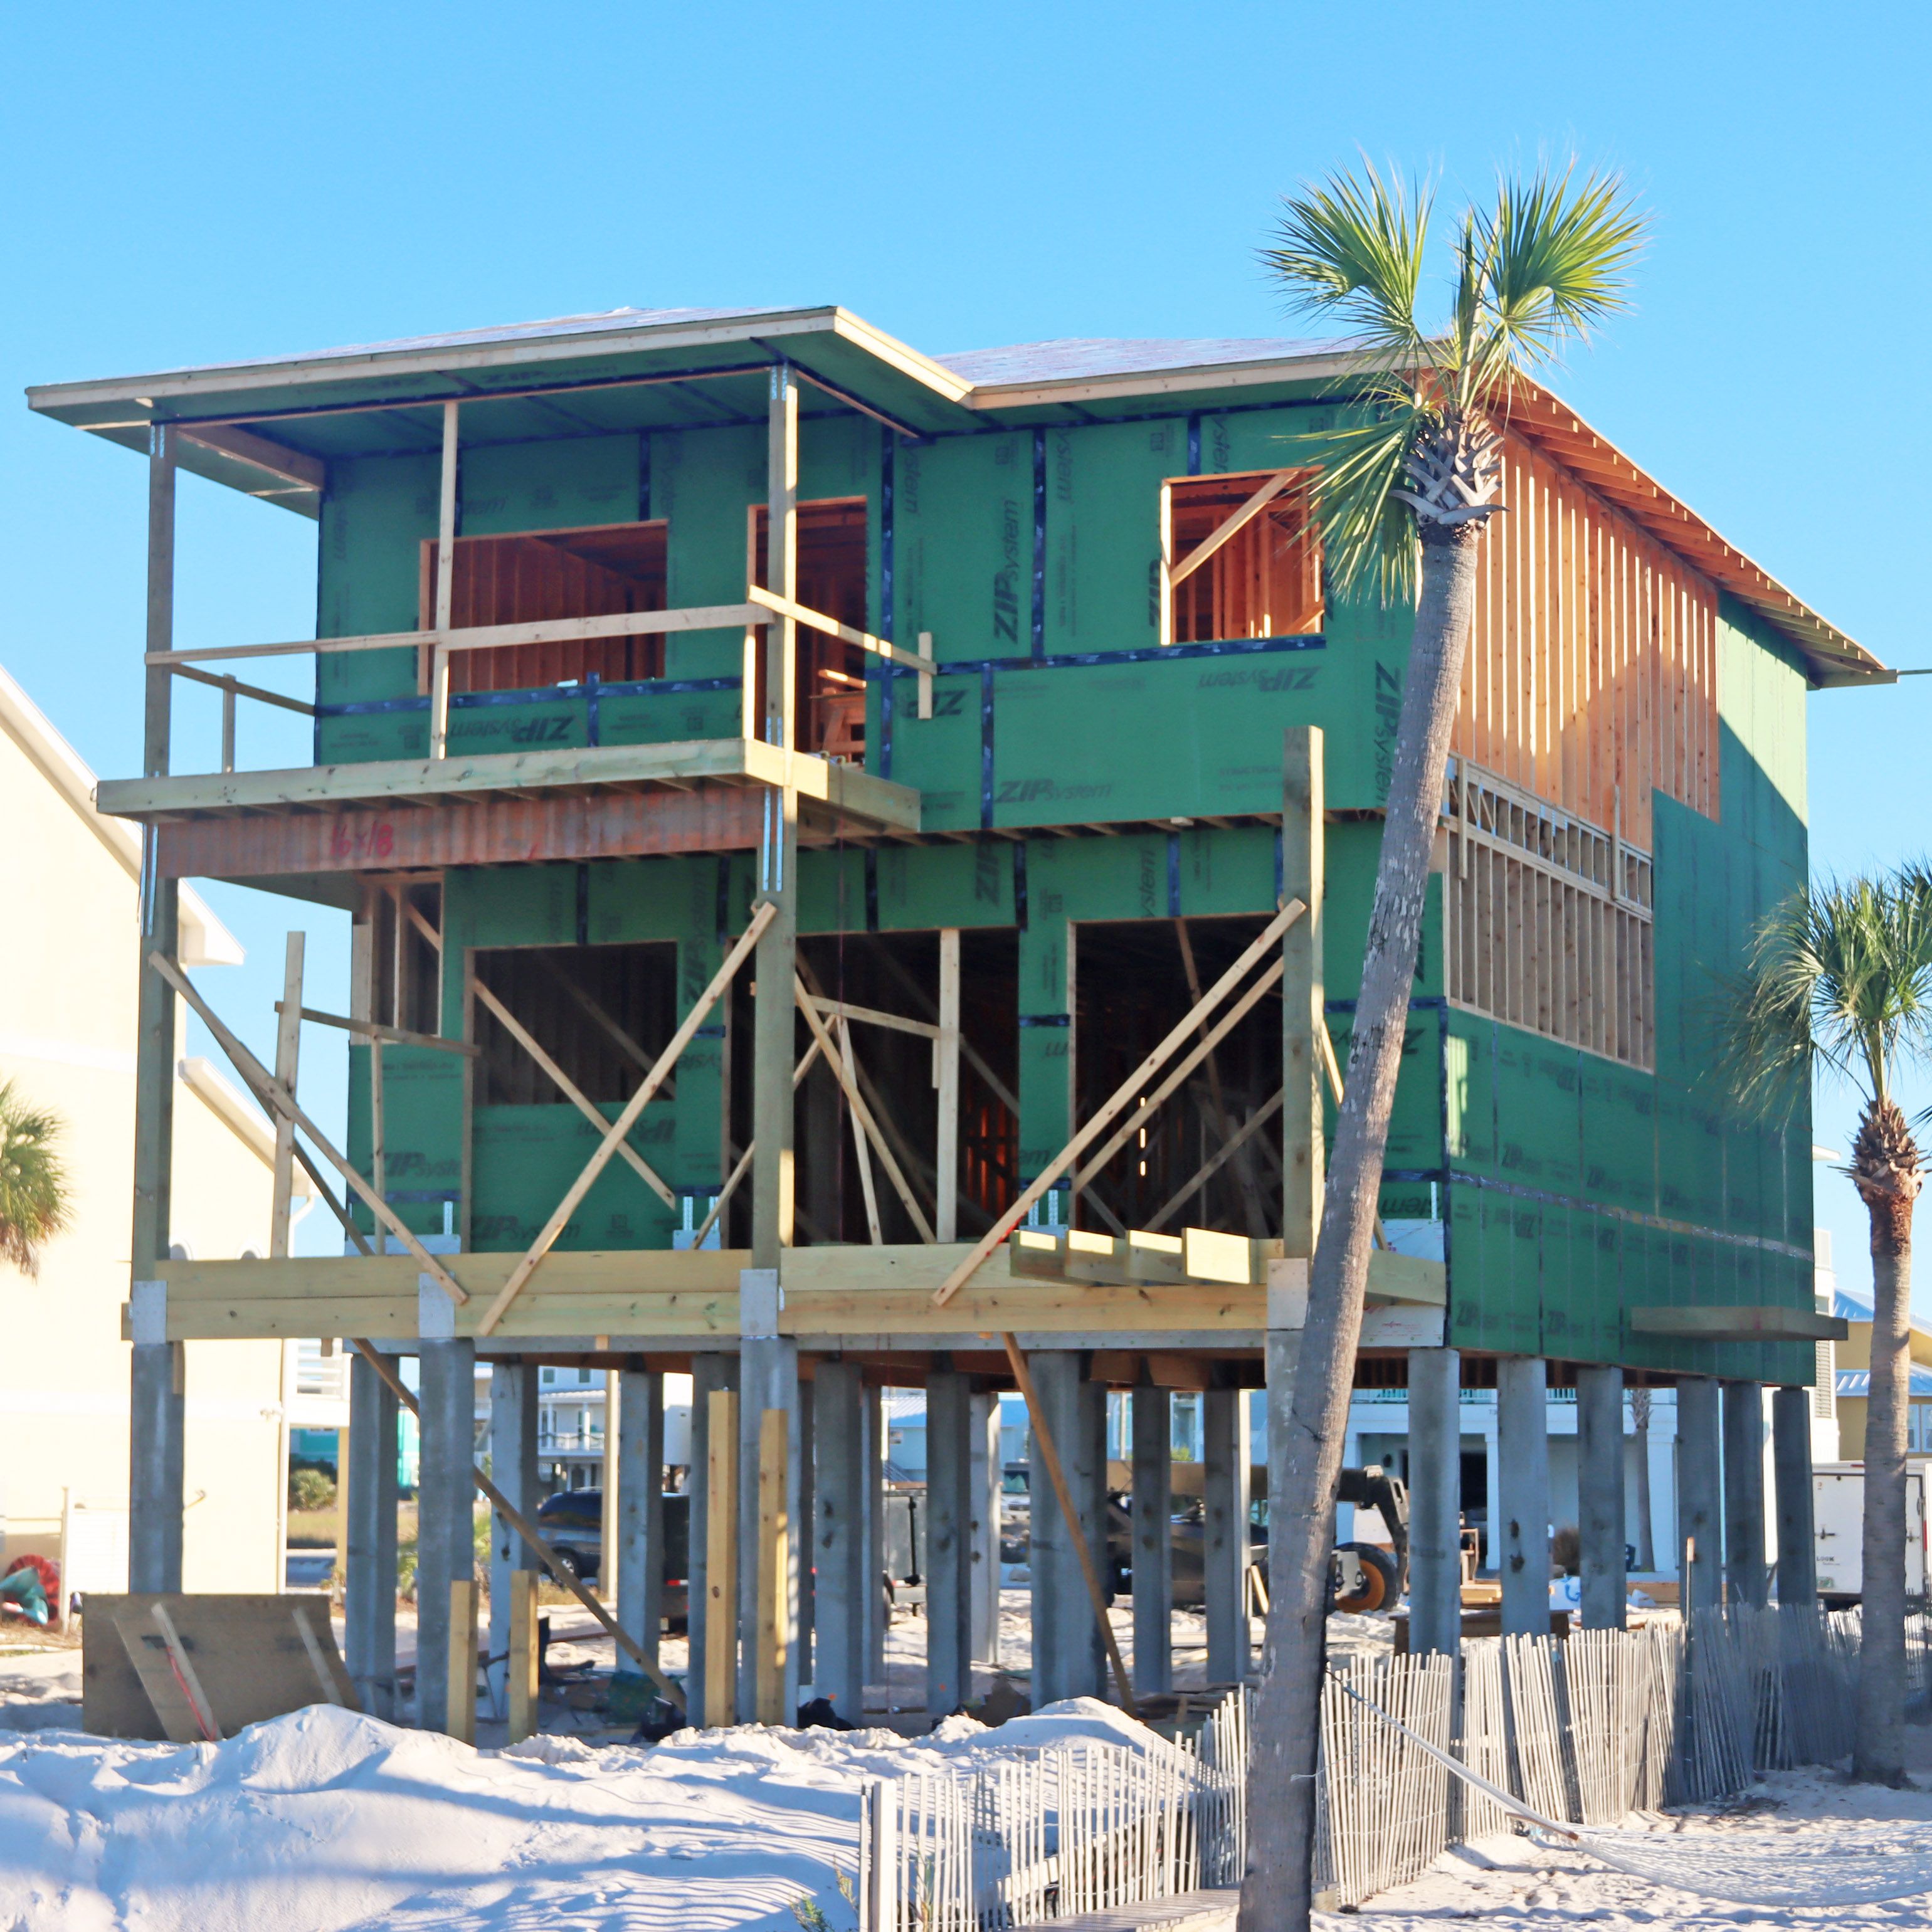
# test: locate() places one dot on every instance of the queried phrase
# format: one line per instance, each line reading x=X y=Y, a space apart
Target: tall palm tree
x=35 y=1197
x=1840 y=981
x=1404 y=495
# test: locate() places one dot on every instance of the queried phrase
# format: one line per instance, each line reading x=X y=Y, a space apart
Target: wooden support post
x=288 y=1053
x=1225 y=1556
x=513 y=1462
x=1071 y=1519
x=378 y=1159
x=369 y=1506
x=949 y=1541
x=1700 y=1532
x=638 y=1558
x=606 y=1569
x=1153 y=1561
x=773 y=1637
x=1745 y=1572
x=946 y=1078
x=446 y=1518
x=1791 y=1469
x=1435 y=1501
x=228 y=730
x=1520 y=1543
x=1600 y=1495
x=561 y=1574
x=462 y=1723
x=773 y=1032
x=721 y=1555
x=1302 y=992
x=445 y=586
x=842 y=1588
x=521 y=1670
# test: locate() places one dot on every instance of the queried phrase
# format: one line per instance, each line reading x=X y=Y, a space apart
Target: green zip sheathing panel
x=422 y=1124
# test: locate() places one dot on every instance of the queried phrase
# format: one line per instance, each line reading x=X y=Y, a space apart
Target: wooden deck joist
x=829 y=1293
x=504 y=808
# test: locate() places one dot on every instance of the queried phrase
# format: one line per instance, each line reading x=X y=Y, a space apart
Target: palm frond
x=1839 y=978
x=1369 y=539
x=1353 y=248
x=1556 y=253
x=34 y=1192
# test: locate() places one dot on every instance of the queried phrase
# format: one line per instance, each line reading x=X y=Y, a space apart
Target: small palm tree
x=34 y=1190
x=1840 y=981
x=1404 y=494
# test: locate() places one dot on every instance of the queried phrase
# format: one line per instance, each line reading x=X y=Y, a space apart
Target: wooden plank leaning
x=565 y=1085
x=620 y=1128
x=279 y=1100
x=565 y=1576
x=1125 y=1096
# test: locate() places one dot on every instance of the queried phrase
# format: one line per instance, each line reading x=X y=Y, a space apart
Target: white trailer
x=1838 y=1520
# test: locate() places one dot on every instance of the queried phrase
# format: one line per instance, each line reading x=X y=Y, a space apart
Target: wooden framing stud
x=288 y=1051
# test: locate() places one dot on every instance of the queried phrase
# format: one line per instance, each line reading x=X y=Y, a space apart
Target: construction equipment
x=1362 y=1575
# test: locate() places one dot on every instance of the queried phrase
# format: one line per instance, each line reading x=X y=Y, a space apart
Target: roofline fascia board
x=997 y=396
x=228 y=379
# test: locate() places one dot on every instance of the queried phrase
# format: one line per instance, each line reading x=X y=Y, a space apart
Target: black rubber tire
x=1379 y=1581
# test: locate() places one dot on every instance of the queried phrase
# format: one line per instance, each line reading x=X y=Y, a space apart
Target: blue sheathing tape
x=1311 y=640
x=592 y=720
x=1039 y=543
x=548 y=694
x=1174 y=875
x=1020 y=884
x=723 y=903
x=985 y=745
x=644 y=476
x=1280 y=867
x=871 y=888
x=583 y=905
x=1046 y=1019
x=1194 y=444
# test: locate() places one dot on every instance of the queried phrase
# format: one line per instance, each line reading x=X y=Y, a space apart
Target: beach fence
x=1588 y=1729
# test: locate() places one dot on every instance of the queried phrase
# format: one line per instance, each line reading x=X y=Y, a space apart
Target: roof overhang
x=271 y=427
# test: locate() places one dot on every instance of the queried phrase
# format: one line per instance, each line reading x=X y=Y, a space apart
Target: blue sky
x=195 y=183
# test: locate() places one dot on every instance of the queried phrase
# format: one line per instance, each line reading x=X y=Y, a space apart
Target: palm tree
x=34 y=1190
x=1840 y=980
x=1404 y=495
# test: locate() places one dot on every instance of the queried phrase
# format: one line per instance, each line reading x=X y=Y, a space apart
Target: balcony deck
x=601 y=802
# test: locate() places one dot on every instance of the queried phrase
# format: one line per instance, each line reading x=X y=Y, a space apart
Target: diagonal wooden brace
x=565 y=1085
x=620 y=1128
x=1124 y=1096
x=279 y=1100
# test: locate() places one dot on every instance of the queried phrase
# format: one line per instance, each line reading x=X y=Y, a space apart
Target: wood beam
x=288 y=1050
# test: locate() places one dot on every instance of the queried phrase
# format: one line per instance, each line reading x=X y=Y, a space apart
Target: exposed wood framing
x=277 y=1099
x=862 y=1148
x=946 y=1078
x=1124 y=1097
x=789 y=610
x=839 y=1063
x=1593 y=663
x=744 y=1162
x=620 y=1128
x=565 y=1085
x=375 y=1030
x=1251 y=1210
x=1269 y=490
x=1212 y=1165
x=288 y=1052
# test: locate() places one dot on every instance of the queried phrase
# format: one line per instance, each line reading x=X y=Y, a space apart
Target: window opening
x=1263 y=580
x=596 y=571
x=831 y=579
x=603 y=1014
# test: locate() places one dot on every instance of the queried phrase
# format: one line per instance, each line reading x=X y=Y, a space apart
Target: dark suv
x=571 y=1522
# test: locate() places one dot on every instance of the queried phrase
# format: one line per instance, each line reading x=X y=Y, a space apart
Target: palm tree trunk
x=1878 y=1752
x=1276 y=1889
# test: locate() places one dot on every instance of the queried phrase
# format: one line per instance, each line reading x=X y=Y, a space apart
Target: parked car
x=571 y=1522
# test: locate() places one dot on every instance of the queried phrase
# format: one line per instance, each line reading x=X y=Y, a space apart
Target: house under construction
x=802 y=800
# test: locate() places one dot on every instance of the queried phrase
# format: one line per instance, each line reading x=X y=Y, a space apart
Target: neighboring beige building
x=67 y=991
